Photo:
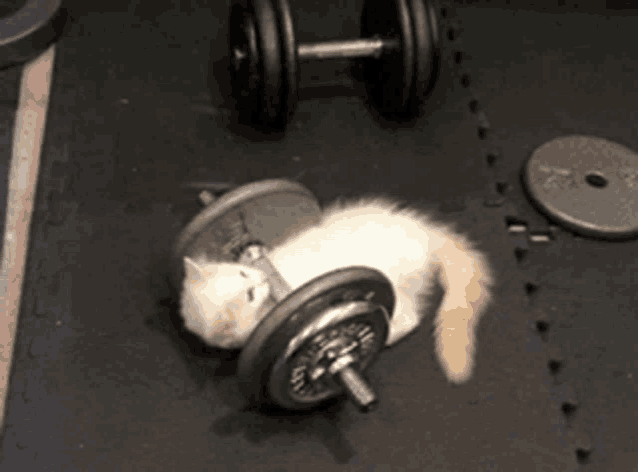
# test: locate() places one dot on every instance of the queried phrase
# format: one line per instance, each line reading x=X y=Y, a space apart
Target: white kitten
x=404 y=244
x=220 y=301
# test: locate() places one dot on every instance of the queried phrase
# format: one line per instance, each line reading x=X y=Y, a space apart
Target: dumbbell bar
x=399 y=43
x=351 y=49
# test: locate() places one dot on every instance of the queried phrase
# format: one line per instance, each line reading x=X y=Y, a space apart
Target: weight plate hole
x=596 y=180
x=443 y=12
x=465 y=80
x=458 y=57
x=451 y=34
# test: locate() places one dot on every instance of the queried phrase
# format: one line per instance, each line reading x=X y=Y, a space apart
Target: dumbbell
x=313 y=343
x=398 y=47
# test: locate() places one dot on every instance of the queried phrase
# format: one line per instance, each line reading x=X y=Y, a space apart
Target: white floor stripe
x=28 y=134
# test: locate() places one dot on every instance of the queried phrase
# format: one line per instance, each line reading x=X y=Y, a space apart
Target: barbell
x=312 y=343
x=398 y=46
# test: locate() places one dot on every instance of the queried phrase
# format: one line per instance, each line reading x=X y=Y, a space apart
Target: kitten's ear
x=194 y=273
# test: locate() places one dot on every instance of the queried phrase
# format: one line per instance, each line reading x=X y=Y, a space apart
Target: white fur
x=220 y=301
x=404 y=244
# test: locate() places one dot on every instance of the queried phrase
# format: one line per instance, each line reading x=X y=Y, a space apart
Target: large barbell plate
x=301 y=378
x=270 y=210
x=29 y=30
x=269 y=43
x=290 y=63
x=426 y=43
x=389 y=79
x=287 y=319
x=587 y=184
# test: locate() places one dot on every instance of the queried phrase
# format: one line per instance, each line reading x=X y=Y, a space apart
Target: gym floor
x=102 y=376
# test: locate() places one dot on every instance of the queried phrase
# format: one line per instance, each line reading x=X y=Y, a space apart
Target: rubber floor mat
x=106 y=378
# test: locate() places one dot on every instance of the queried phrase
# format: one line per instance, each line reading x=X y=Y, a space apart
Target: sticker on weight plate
x=558 y=178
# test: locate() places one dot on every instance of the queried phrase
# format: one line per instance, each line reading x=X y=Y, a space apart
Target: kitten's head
x=221 y=301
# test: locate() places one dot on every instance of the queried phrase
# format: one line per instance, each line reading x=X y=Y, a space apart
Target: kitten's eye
x=251 y=294
x=243 y=274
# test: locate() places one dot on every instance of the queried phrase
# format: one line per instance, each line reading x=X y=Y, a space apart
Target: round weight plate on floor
x=354 y=332
x=28 y=30
x=244 y=56
x=587 y=184
x=426 y=43
x=288 y=319
x=290 y=63
x=266 y=211
x=389 y=79
x=270 y=49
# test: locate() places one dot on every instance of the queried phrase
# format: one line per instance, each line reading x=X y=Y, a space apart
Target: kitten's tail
x=465 y=276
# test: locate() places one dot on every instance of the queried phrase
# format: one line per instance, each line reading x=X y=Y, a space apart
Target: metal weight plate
x=270 y=48
x=301 y=375
x=272 y=336
x=29 y=30
x=266 y=210
x=426 y=44
x=290 y=62
x=389 y=79
x=587 y=184
x=244 y=56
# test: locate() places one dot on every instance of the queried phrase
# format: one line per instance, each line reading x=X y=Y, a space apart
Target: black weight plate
x=389 y=79
x=244 y=57
x=289 y=58
x=30 y=30
x=286 y=320
x=270 y=49
x=268 y=209
x=426 y=55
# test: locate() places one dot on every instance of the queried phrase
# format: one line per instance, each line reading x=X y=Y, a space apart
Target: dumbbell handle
x=256 y=257
x=348 y=49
